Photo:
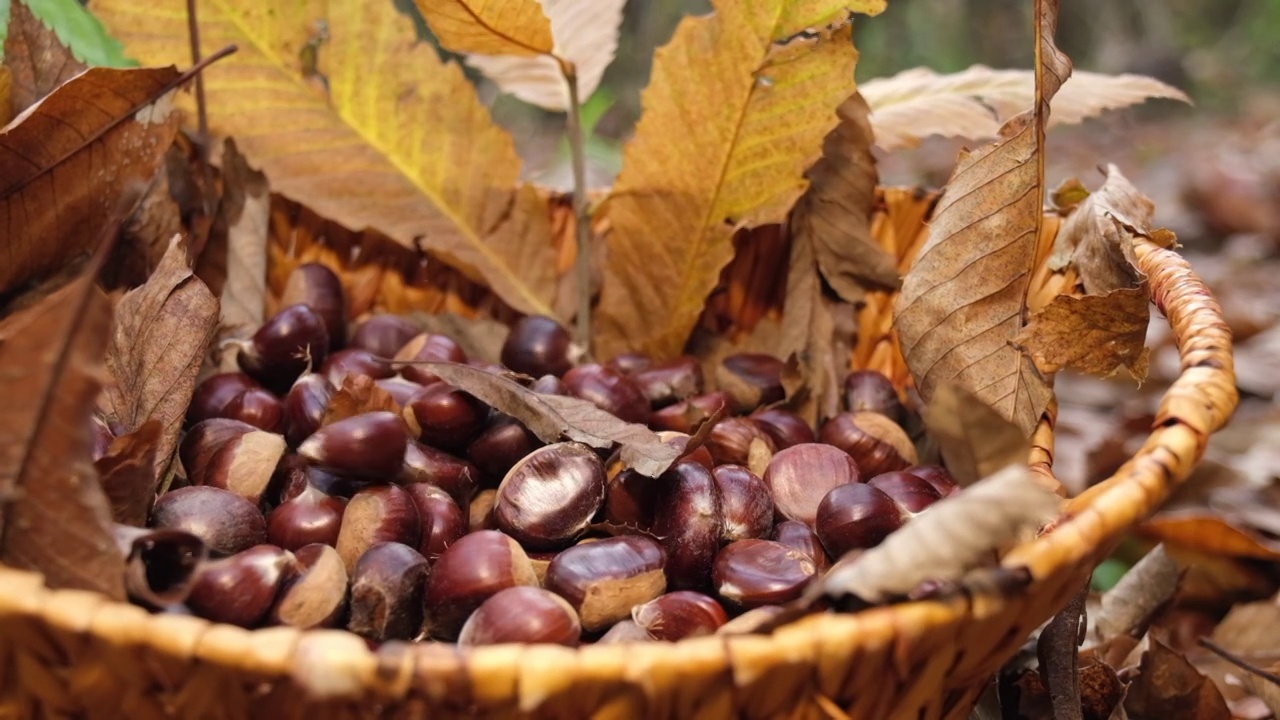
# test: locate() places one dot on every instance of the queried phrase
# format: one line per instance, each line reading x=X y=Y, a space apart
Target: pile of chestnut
x=451 y=521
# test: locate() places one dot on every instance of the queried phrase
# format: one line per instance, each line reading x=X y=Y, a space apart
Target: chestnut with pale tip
x=731 y=439
x=550 y=497
x=224 y=521
x=284 y=347
x=445 y=417
x=871 y=391
x=538 y=345
x=318 y=287
x=798 y=536
x=604 y=579
x=679 y=615
x=355 y=361
x=689 y=522
x=369 y=446
x=241 y=589
x=745 y=503
x=784 y=427
x=441 y=522
x=801 y=475
x=304 y=407
x=235 y=457
x=316 y=597
x=425 y=464
x=755 y=573
x=376 y=514
x=427 y=347
x=387 y=586
x=470 y=571
x=309 y=517
x=751 y=379
x=875 y=442
x=522 y=614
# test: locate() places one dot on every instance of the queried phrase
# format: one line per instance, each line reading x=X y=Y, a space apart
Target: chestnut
x=871 y=391
x=425 y=464
x=686 y=415
x=399 y=389
x=798 y=536
x=630 y=499
x=428 y=347
x=745 y=503
x=239 y=461
x=751 y=379
x=440 y=520
x=211 y=396
x=480 y=514
x=784 y=427
x=801 y=475
x=257 y=407
x=387 y=586
x=630 y=363
x=380 y=513
x=878 y=444
x=913 y=493
x=241 y=589
x=549 y=498
x=355 y=361
x=316 y=596
x=522 y=614
x=304 y=407
x=369 y=446
x=680 y=614
x=160 y=565
x=688 y=520
x=501 y=445
x=285 y=346
x=383 y=334
x=318 y=287
x=625 y=631
x=226 y=522
x=470 y=571
x=671 y=381
x=309 y=517
x=609 y=390
x=699 y=454
x=937 y=476
x=445 y=417
x=604 y=579
x=538 y=345
x=755 y=573
x=857 y=516
x=731 y=439
x=549 y=385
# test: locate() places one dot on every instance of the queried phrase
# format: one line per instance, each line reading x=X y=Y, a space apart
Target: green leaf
x=77 y=28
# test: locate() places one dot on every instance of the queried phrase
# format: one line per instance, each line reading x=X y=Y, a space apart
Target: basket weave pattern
x=69 y=653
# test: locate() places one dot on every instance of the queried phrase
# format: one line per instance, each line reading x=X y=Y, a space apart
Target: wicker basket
x=69 y=653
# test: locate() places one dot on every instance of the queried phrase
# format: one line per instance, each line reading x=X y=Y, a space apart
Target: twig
x=1239 y=662
x=202 y=119
x=577 y=148
x=1059 y=658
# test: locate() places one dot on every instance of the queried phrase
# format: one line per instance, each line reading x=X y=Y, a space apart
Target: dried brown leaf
x=128 y=473
x=495 y=27
x=359 y=394
x=552 y=417
x=1209 y=532
x=1263 y=682
x=975 y=440
x=1098 y=334
x=159 y=339
x=1144 y=589
x=965 y=298
x=37 y=59
x=67 y=161
x=54 y=517
x=246 y=218
x=1097 y=237
x=1168 y=686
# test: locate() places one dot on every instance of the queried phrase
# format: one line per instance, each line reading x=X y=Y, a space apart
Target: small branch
x=577 y=147
x=202 y=140
x=1058 y=652
x=1240 y=662
x=193 y=31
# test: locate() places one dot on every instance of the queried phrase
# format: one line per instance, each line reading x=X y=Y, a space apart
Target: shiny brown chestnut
x=307 y=518
x=671 y=381
x=355 y=361
x=367 y=446
x=316 y=596
x=679 y=615
x=630 y=500
x=798 y=536
x=383 y=334
x=445 y=417
x=285 y=346
x=241 y=589
x=258 y=407
x=241 y=462
x=939 y=477
x=604 y=579
x=549 y=385
x=686 y=415
x=630 y=363
x=318 y=287
x=699 y=454
x=731 y=439
x=609 y=390
x=522 y=614
x=425 y=464
x=801 y=475
x=689 y=522
x=304 y=407
x=428 y=347
x=745 y=503
x=388 y=583
x=501 y=445
x=470 y=571
x=212 y=395
x=878 y=444
x=380 y=513
x=537 y=346
x=440 y=520
x=549 y=498
x=755 y=573
x=751 y=379
x=784 y=427
x=913 y=493
x=871 y=391
x=399 y=388
x=226 y=522
x=857 y=516
x=160 y=565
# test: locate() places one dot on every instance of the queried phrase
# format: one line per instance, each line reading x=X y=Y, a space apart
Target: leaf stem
x=577 y=149
x=193 y=31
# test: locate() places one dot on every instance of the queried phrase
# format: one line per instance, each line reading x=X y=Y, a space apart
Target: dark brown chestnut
x=689 y=523
x=871 y=391
x=441 y=521
x=309 y=517
x=604 y=579
x=472 y=570
x=731 y=439
x=857 y=516
x=699 y=454
x=383 y=334
x=609 y=390
x=160 y=565
x=671 y=381
x=317 y=287
x=686 y=415
x=798 y=536
x=399 y=389
x=304 y=407
x=501 y=445
x=257 y=407
x=285 y=346
x=445 y=417
x=316 y=597
x=784 y=427
x=380 y=513
x=630 y=363
x=549 y=498
x=226 y=522
x=522 y=614
x=355 y=361
x=425 y=464
x=745 y=503
x=751 y=379
x=241 y=589
x=212 y=395
x=630 y=500
x=537 y=346
x=801 y=475
x=428 y=347
x=878 y=444
x=549 y=385
x=913 y=493
x=388 y=583
x=754 y=573
x=228 y=458
x=366 y=446
x=679 y=615
x=937 y=476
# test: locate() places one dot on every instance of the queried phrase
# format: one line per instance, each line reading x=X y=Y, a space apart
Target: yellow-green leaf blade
x=492 y=27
